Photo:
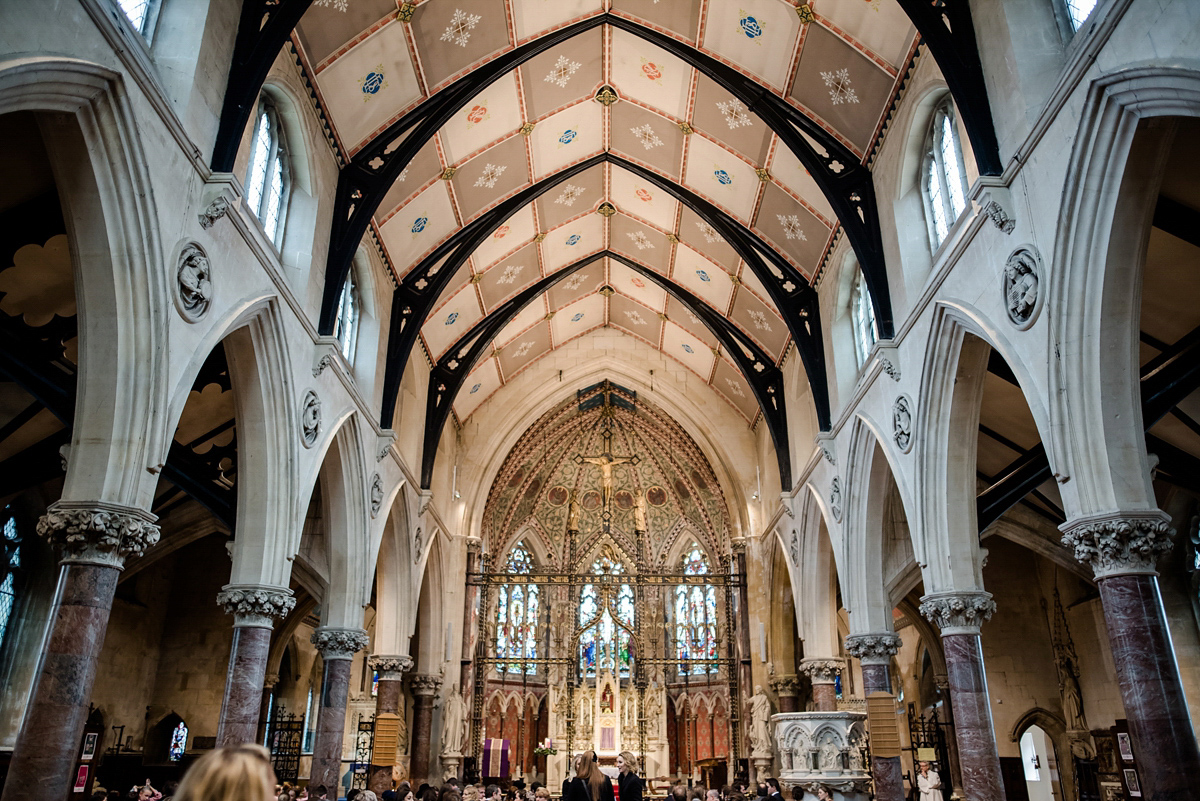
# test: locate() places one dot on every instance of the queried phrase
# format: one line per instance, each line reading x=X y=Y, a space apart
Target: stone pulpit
x=823 y=748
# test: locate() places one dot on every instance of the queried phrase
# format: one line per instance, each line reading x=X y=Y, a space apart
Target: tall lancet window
x=945 y=184
x=604 y=645
x=696 y=618
x=862 y=311
x=268 y=178
x=517 y=616
x=346 y=327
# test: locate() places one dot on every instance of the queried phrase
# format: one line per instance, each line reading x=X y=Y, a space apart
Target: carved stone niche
x=193 y=282
x=823 y=748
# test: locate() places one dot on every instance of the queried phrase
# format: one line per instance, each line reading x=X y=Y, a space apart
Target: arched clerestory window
x=346 y=328
x=517 y=608
x=862 y=314
x=1078 y=12
x=141 y=14
x=604 y=645
x=943 y=175
x=268 y=177
x=696 y=618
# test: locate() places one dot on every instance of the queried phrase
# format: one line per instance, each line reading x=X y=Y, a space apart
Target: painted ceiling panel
x=637 y=196
x=369 y=85
x=880 y=25
x=790 y=173
x=524 y=349
x=419 y=226
x=646 y=137
x=722 y=177
x=424 y=168
x=480 y=384
x=641 y=242
x=564 y=74
x=491 y=176
x=524 y=320
x=516 y=230
x=684 y=317
x=451 y=320
x=792 y=229
x=691 y=350
x=702 y=237
x=636 y=319
x=701 y=277
x=544 y=15
x=732 y=385
x=571 y=242
x=578 y=318
x=760 y=322
x=643 y=290
x=324 y=30
x=726 y=119
x=581 y=283
x=680 y=17
x=650 y=75
x=577 y=195
x=492 y=114
x=567 y=137
x=452 y=36
x=509 y=276
x=757 y=35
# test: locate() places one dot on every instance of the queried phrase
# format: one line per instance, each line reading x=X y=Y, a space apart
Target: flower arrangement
x=546 y=748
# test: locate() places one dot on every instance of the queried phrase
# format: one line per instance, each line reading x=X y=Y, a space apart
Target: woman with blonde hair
x=236 y=773
x=589 y=784
x=629 y=784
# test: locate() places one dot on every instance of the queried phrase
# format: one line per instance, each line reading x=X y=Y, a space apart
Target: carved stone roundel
x=835 y=498
x=902 y=423
x=310 y=419
x=376 y=494
x=193 y=283
x=1022 y=286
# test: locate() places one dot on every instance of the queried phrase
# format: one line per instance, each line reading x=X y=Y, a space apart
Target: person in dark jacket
x=589 y=784
x=629 y=784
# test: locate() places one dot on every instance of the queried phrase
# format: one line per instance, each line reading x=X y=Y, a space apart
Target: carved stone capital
x=785 y=685
x=270 y=680
x=425 y=685
x=98 y=533
x=958 y=612
x=873 y=649
x=1119 y=543
x=391 y=667
x=336 y=643
x=256 y=605
x=821 y=671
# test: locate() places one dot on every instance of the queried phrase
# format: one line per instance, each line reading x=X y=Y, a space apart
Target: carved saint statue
x=573 y=514
x=583 y=718
x=454 y=718
x=639 y=514
x=760 y=722
x=654 y=709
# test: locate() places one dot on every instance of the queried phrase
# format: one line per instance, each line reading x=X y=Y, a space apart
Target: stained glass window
x=10 y=565
x=862 y=310
x=346 y=328
x=178 y=742
x=944 y=182
x=267 y=177
x=517 y=607
x=696 y=618
x=605 y=645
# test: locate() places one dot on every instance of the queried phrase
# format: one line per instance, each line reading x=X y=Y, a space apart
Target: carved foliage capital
x=256 y=604
x=390 y=666
x=1120 y=543
x=336 y=643
x=821 y=671
x=785 y=685
x=425 y=685
x=98 y=532
x=958 y=612
x=873 y=647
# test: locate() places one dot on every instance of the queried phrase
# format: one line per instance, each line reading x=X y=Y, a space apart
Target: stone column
x=959 y=615
x=787 y=690
x=391 y=669
x=254 y=607
x=874 y=652
x=424 y=689
x=943 y=687
x=95 y=539
x=337 y=647
x=822 y=673
x=1122 y=550
x=264 y=706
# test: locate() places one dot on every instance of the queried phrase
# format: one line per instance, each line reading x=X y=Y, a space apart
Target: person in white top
x=929 y=783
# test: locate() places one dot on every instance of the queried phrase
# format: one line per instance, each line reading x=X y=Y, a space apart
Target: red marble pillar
x=424 y=689
x=95 y=539
x=823 y=673
x=875 y=652
x=959 y=615
x=1122 y=550
x=391 y=671
x=337 y=647
x=254 y=608
x=787 y=691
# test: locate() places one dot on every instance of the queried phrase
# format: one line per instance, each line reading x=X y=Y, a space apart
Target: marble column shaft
x=337 y=647
x=959 y=615
x=1122 y=549
x=875 y=652
x=1155 y=706
x=424 y=690
x=95 y=539
x=387 y=702
x=254 y=609
x=823 y=673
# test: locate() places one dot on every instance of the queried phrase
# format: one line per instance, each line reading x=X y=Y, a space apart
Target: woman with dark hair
x=589 y=784
x=629 y=784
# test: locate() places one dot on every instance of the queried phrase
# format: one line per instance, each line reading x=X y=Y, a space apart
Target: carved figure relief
x=193 y=282
x=376 y=494
x=902 y=423
x=310 y=419
x=1022 y=278
x=835 y=498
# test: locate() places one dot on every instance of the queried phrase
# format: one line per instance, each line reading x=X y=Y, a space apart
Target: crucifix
x=606 y=462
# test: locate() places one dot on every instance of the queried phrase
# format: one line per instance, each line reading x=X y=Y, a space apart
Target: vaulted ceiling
x=688 y=162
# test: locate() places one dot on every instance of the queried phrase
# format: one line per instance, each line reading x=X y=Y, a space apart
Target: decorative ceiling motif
x=656 y=464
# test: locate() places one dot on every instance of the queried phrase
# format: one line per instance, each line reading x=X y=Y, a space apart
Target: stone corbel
x=828 y=445
x=889 y=358
x=221 y=193
x=425 y=497
x=995 y=201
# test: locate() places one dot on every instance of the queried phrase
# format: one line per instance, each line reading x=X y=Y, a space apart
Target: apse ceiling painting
x=605 y=92
x=530 y=498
